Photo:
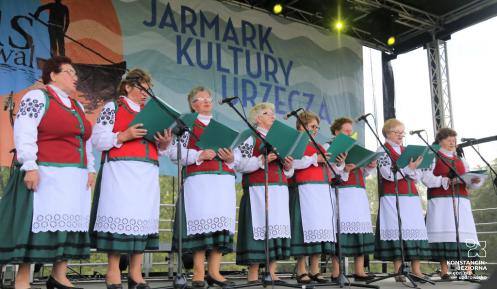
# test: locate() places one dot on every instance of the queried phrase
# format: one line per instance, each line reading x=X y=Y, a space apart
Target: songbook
x=157 y=116
x=287 y=141
x=361 y=156
x=217 y=135
x=412 y=152
x=341 y=144
x=480 y=174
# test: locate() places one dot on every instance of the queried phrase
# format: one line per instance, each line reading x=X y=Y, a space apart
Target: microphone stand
x=342 y=279
x=404 y=269
x=494 y=182
x=268 y=148
x=455 y=208
x=10 y=105
x=179 y=130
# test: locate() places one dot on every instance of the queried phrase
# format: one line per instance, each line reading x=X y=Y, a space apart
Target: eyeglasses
x=315 y=127
x=202 y=99
x=71 y=72
x=401 y=133
x=268 y=113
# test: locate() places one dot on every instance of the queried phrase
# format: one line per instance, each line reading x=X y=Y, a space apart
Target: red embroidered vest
x=214 y=166
x=62 y=133
x=406 y=186
x=442 y=170
x=138 y=149
x=276 y=176
x=313 y=174
x=356 y=179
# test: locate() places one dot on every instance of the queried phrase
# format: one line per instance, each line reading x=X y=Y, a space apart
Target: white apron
x=279 y=213
x=355 y=214
x=411 y=215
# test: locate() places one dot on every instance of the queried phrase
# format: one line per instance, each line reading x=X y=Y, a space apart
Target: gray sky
x=473 y=85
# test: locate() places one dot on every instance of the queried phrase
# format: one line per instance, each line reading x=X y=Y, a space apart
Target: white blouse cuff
x=114 y=140
x=29 y=166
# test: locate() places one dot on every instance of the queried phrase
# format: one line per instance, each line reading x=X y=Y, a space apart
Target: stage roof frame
x=414 y=23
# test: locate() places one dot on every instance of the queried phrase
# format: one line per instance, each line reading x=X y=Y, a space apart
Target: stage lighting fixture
x=391 y=40
x=277 y=8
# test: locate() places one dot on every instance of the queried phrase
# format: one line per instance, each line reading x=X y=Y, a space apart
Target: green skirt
x=222 y=241
x=298 y=247
x=117 y=243
x=18 y=244
x=250 y=251
x=448 y=251
x=354 y=245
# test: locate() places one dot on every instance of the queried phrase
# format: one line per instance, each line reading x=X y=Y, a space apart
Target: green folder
x=341 y=144
x=412 y=152
x=361 y=157
x=287 y=141
x=157 y=116
x=216 y=135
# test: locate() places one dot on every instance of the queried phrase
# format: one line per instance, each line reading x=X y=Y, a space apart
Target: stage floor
x=388 y=283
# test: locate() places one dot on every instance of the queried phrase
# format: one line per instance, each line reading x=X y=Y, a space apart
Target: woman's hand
x=321 y=159
x=131 y=133
x=349 y=167
x=226 y=155
x=413 y=164
x=32 y=180
x=270 y=157
x=373 y=164
x=207 y=155
x=341 y=158
x=288 y=163
x=163 y=139
x=91 y=181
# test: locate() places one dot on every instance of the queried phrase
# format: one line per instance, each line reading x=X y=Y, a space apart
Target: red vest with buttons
x=276 y=176
x=313 y=174
x=356 y=179
x=406 y=186
x=138 y=149
x=442 y=170
x=62 y=133
x=214 y=166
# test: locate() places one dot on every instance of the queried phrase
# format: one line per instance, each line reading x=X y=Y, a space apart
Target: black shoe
x=114 y=286
x=318 y=278
x=279 y=282
x=254 y=282
x=334 y=279
x=445 y=277
x=198 y=284
x=133 y=285
x=52 y=283
x=301 y=279
x=211 y=281
x=363 y=278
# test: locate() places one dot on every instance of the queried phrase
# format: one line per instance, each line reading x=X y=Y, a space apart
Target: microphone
x=467 y=139
x=363 y=117
x=226 y=100
x=293 y=112
x=416 y=131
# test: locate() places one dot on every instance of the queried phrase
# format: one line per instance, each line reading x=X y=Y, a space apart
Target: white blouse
x=385 y=166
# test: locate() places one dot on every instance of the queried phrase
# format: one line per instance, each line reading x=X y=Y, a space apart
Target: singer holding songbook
x=414 y=234
x=356 y=229
x=209 y=197
x=251 y=224
x=126 y=203
x=312 y=206
x=440 y=221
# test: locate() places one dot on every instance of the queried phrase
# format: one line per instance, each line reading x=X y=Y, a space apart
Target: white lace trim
x=60 y=222
x=209 y=225
x=407 y=234
x=275 y=231
x=128 y=226
x=319 y=235
x=356 y=227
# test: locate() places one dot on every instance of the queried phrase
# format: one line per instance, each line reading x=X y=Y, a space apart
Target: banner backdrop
x=233 y=50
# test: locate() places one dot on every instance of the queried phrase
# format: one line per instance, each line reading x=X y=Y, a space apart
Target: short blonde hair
x=256 y=111
x=132 y=77
x=306 y=117
x=193 y=93
x=389 y=125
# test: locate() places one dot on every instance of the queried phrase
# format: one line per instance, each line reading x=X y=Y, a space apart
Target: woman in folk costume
x=209 y=197
x=125 y=212
x=356 y=238
x=312 y=203
x=440 y=213
x=45 y=212
x=414 y=234
x=250 y=249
